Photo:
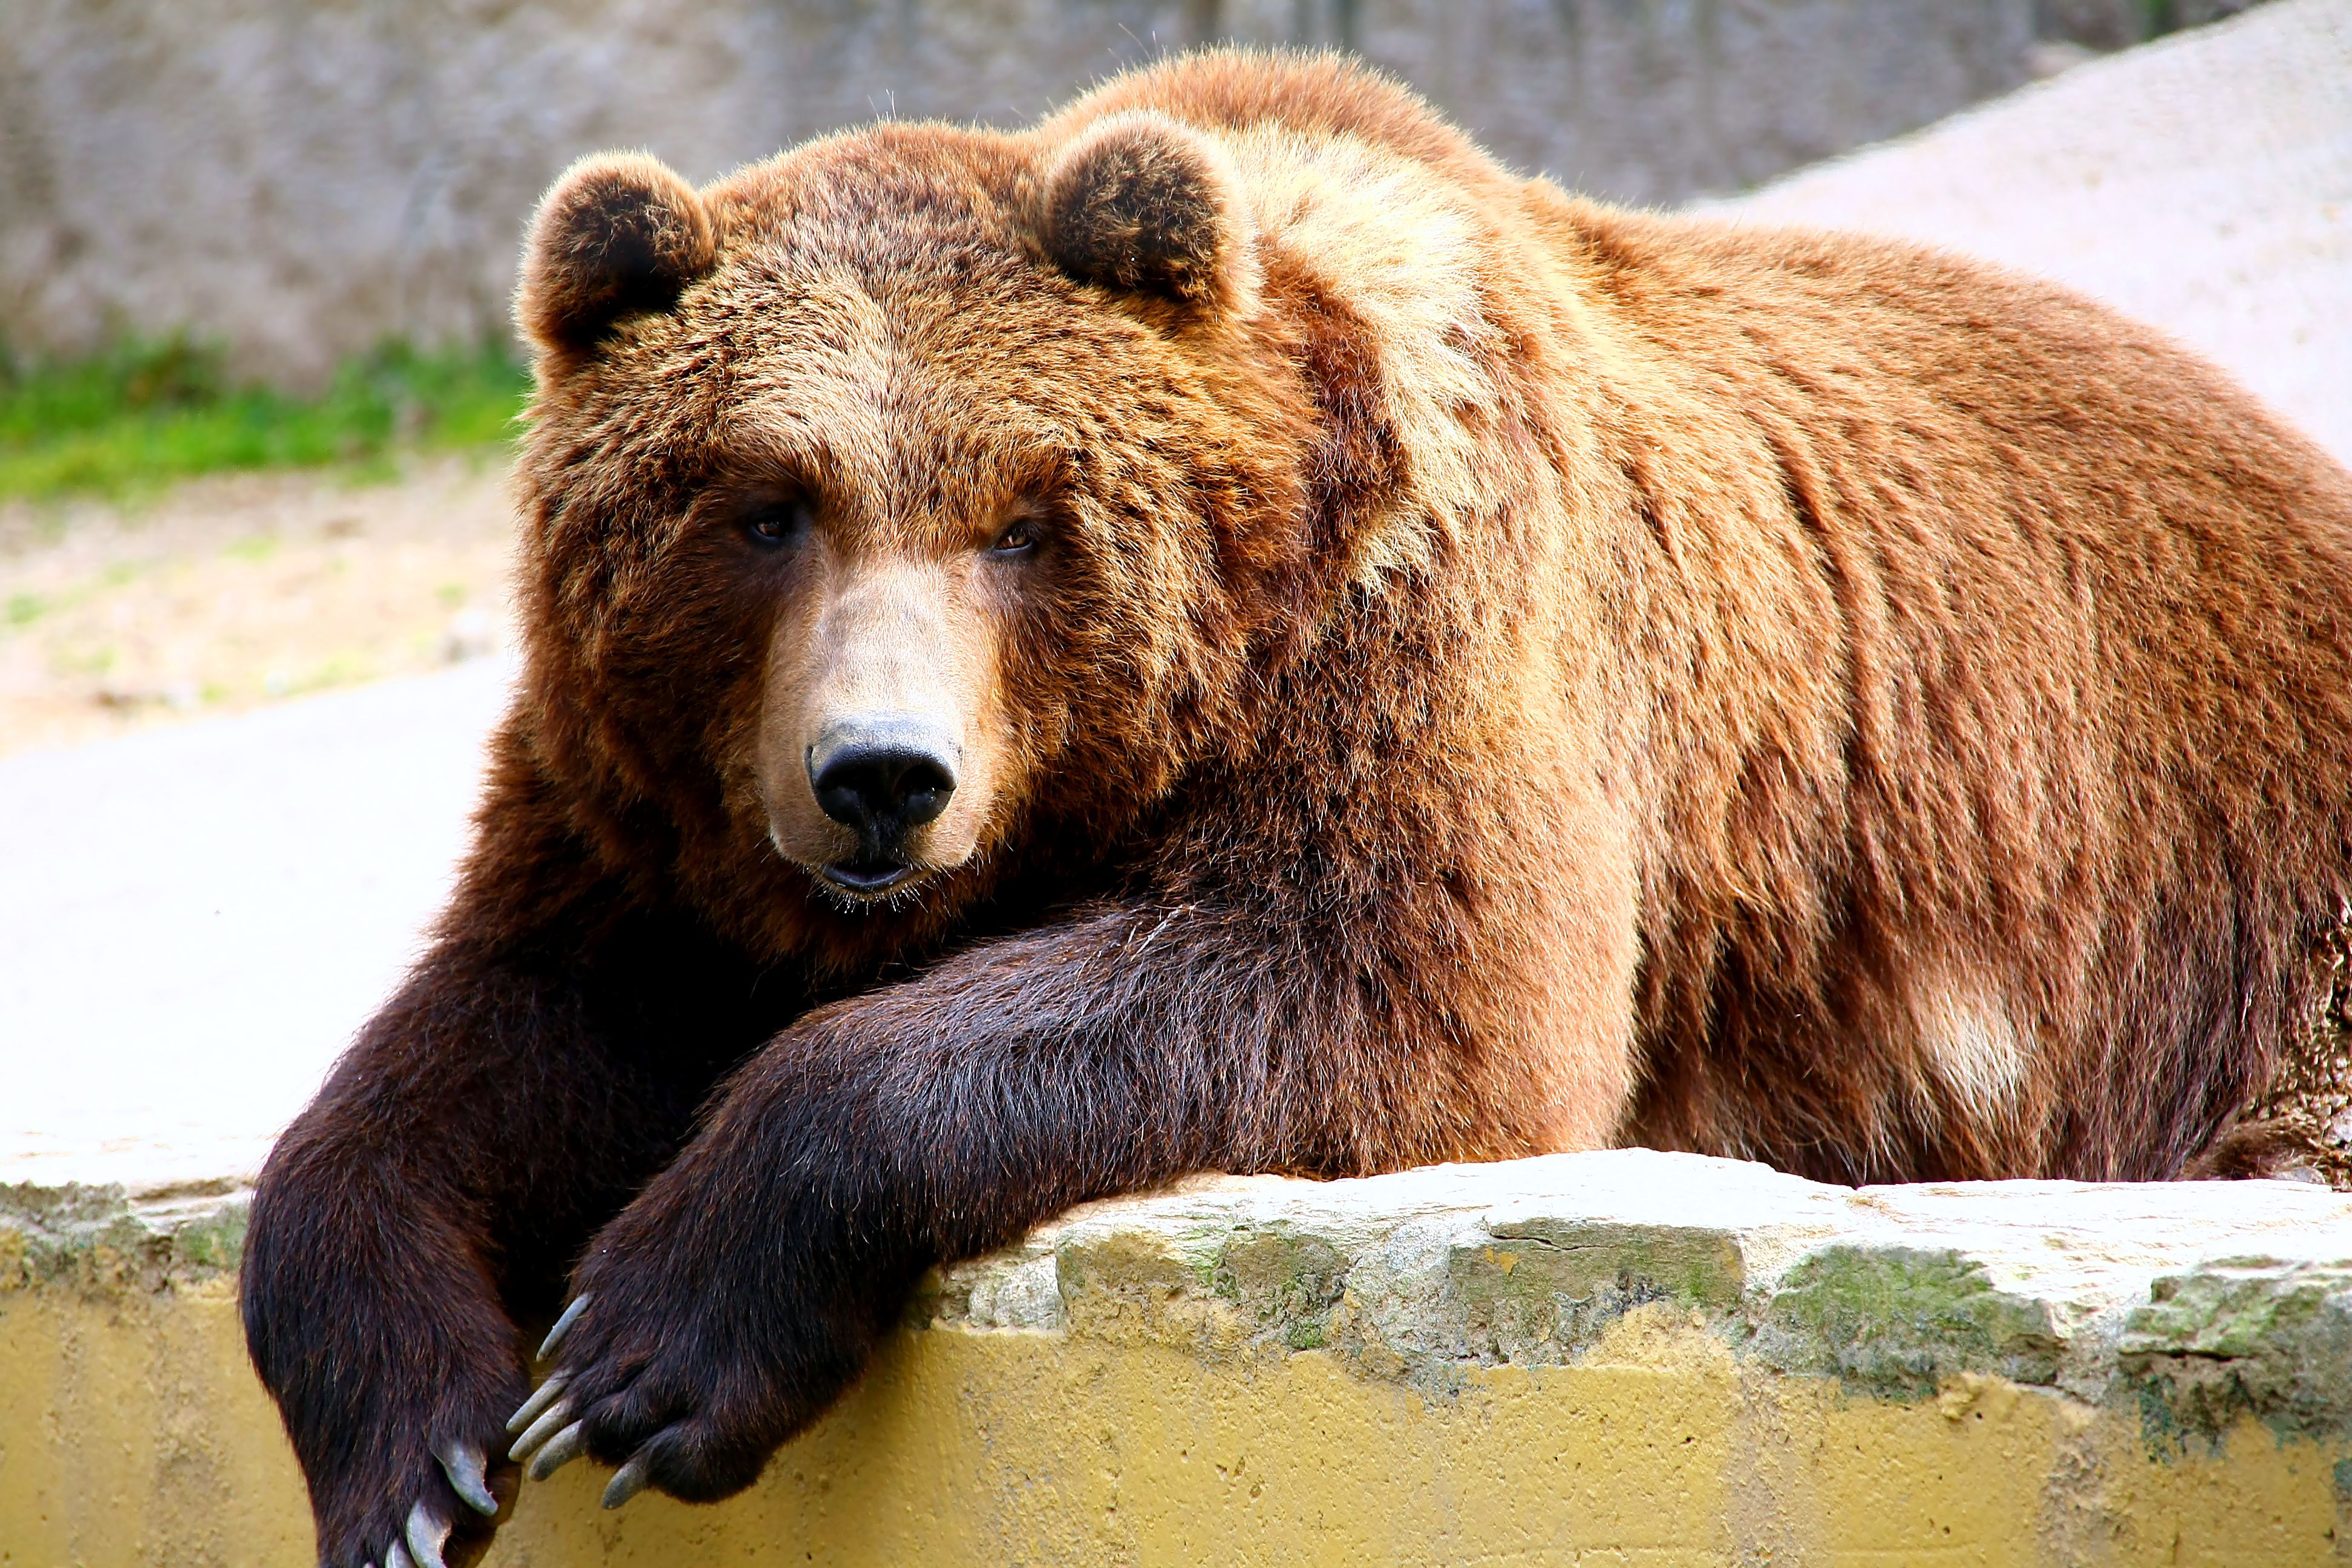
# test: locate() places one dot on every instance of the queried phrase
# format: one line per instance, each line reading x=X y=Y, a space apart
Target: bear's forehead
x=877 y=289
x=896 y=251
x=870 y=356
x=878 y=323
x=893 y=203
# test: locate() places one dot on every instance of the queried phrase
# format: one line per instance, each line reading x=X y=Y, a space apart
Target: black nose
x=883 y=777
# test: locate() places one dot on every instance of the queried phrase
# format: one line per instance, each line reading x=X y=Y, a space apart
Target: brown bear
x=1226 y=631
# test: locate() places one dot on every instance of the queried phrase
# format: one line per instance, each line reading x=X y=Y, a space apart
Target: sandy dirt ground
x=230 y=593
x=195 y=919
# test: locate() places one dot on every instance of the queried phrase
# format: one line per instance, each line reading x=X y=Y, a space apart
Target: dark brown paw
x=450 y=1504
x=693 y=1418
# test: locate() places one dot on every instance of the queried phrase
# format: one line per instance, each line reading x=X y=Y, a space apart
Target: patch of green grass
x=96 y=661
x=146 y=413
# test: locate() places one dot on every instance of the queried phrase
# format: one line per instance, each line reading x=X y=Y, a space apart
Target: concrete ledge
x=1612 y=1357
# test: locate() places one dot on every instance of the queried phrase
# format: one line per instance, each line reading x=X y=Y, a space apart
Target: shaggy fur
x=618 y=235
x=1435 y=669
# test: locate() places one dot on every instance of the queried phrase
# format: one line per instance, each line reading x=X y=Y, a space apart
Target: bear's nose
x=883 y=776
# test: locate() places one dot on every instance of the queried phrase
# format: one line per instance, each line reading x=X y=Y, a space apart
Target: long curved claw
x=397 y=1557
x=627 y=1482
x=427 y=1532
x=542 y=1397
x=557 y=1416
x=554 y=1341
x=562 y=1449
x=469 y=1475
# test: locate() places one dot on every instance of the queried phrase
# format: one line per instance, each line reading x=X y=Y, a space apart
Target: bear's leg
x=742 y=1290
x=496 y=1110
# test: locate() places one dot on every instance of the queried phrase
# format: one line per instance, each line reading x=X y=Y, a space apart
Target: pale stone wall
x=295 y=178
x=1609 y=1357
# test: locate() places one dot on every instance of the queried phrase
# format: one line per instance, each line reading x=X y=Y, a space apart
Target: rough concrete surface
x=2203 y=183
x=1591 y=1358
x=194 y=920
x=296 y=180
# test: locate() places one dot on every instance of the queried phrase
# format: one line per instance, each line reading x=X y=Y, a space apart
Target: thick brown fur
x=1439 y=670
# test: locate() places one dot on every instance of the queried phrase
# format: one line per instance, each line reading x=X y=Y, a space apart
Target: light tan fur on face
x=889 y=636
x=889 y=613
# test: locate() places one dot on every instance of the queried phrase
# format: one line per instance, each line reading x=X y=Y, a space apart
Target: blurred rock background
x=295 y=180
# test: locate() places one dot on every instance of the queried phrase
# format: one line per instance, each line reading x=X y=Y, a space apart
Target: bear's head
x=912 y=504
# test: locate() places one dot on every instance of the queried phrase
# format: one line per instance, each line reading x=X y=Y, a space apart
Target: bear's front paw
x=434 y=1513
x=684 y=1382
x=401 y=1452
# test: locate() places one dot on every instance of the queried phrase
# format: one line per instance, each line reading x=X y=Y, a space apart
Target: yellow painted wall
x=131 y=1432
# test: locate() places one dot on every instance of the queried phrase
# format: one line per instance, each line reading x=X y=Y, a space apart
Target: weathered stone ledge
x=1615 y=1356
x=2190 y=1303
x=102 y=1238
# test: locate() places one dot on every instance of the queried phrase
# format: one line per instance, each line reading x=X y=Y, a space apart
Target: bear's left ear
x=1143 y=204
x=618 y=234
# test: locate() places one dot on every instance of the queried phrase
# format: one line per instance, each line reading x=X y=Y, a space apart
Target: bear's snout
x=880 y=753
x=882 y=775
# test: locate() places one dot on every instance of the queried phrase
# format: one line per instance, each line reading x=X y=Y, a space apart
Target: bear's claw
x=533 y=1407
x=628 y=1480
x=469 y=1472
x=427 y=1532
x=562 y=1448
x=556 y=1335
x=551 y=1419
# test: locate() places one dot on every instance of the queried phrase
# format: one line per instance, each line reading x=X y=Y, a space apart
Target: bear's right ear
x=618 y=234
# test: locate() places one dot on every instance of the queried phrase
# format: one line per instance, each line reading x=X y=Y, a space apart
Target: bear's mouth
x=869 y=877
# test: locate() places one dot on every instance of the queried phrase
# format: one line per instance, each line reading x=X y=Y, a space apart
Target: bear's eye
x=778 y=522
x=1018 y=537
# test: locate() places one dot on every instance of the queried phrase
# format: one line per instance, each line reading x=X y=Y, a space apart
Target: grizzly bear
x=1227 y=632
